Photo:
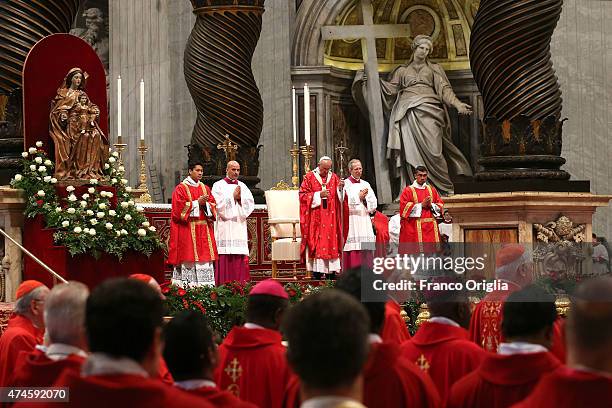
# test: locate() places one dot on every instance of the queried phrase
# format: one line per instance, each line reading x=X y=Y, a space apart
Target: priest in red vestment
x=440 y=346
x=67 y=342
x=320 y=221
x=25 y=327
x=191 y=246
x=191 y=353
x=587 y=379
x=523 y=358
x=420 y=205
x=252 y=362
x=394 y=330
x=328 y=346
x=124 y=319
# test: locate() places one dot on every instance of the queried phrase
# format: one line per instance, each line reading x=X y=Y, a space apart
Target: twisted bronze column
x=511 y=61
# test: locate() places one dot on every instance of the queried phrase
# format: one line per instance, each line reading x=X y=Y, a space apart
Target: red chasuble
x=35 y=369
x=220 y=399
x=501 y=380
x=444 y=352
x=320 y=226
x=191 y=239
x=424 y=228
x=394 y=329
x=569 y=388
x=20 y=335
x=253 y=367
x=118 y=391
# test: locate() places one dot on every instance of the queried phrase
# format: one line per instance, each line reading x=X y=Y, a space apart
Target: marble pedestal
x=12 y=205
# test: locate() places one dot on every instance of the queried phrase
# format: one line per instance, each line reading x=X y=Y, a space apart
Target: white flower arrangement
x=70 y=189
x=38 y=160
x=40 y=193
x=146 y=224
x=89 y=212
x=93 y=221
x=112 y=213
x=100 y=214
x=106 y=166
x=142 y=232
x=124 y=204
x=102 y=206
x=71 y=210
x=127 y=217
x=113 y=181
x=24 y=155
x=124 y=181
x=18 y=177
x=83 y=204
x=108 y=226
x=39 y=144
x=33 y=167
x=93 y=181
x=85 y=196
x=65 y=224
x=42 y=169
x=114 y=154
x=32 y=150
x=92 y=232
x=72 y=198
x=47 y=179
x=111 y=160
x=91 y=190
x=78 y=230
x=53 y=180
x=152 y=228
x=123 y=232
x=48 y=163
x=58 y=209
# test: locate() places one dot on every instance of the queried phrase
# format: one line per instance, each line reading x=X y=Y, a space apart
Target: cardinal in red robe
x=320 y=219
x=25 y=327
x=394 y=329
x=252 y=362
x=420 y=204
x=191 y=246
x=36 y=369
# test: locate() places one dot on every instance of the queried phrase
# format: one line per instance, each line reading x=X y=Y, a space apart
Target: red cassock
x=380 y=222
x=444 y=352
x=394 y=329
x=320 y=226
x=424 y=228
x=191 y=239
x=253 y=367
x=35 y=369
x=119 y=391
x=501 y=380
x=569 y=388
x=20 y=335
x=220 y=399
x=485 y=324
x=389 y=380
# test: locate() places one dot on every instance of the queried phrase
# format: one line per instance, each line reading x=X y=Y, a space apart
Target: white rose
x=124 y=181
x=93 y=221
x=128 y=189
x=72 y=197
x=90 y=212
x=18 y=177
x=106 y=166
x=123 y=232
x=139 y=208
x=152 y=228
x=93 y=181
x=124 y=205
x=42 y=169
x=58 y=209
x=32 y=150
x=113 y=181
x=112 y=213
x=142 y=232
x=118 y=233
x=39 y=144
x=92 y=232
x=86 y=230
x=47 y=179
x=102 y=206
x=100 y=214
x=85 y=196
x=24 y=154
x=109 y=194
x=71 y=210
x=146 y=224
x=121 y=168
x=77 y=230
x=108 y=225
x=83 y=204
x=131 y=202
x=48 y=162
x=91 y=190
x=38 y=160
x=65 y=224
x=115 y=154
x=111 y=159
x=40 y=193
x=53 y=180
x=127 y=217
x=70 y=189
x=33 y=167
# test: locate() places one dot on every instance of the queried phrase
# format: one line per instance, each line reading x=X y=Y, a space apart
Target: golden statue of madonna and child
x=81 y=148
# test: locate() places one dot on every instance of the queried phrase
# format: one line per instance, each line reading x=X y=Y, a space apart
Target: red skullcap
x=26 y=287
x=508 y=254
x=269 y=287
x=143 y=277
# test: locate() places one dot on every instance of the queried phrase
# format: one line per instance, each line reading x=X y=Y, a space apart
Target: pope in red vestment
x=420 y=204
x=320 y=221
x=444 y=352
x=501 y=380
x=394 y=329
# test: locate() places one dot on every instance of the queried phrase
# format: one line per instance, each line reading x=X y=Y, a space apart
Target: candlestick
x=295 y=155
x=120 y=147
x=293 y=111
x=118 y=105
x=307 y=114
x=307 y=152
x=145 y=197
x=142 y=115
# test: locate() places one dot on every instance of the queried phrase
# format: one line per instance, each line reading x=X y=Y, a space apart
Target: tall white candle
x=142 y=115
x=307 y=114
x=119 y=105
x=293 y=110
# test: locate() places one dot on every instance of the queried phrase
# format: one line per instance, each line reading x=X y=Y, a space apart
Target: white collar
x=59 y=351
x=318 y=176
x=194 y=384
x=374 y=338
x=249 y=325
x=417 y=185
x=520 y=347
x=191 y=182
x=103 y=364
x=444 y=320
x=329 y=402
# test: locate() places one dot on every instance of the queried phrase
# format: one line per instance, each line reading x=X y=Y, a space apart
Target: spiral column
x=511 y=62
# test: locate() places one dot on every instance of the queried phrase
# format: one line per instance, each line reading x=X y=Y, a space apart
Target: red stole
x=568 y=388
x=253 y=367
x=191 y=239
x=501 y=380
x=20 y=335
x=220 y=399
x=424 y=228
x=394 y=329
x=35 y=369
x=444 y=352
x=320 y=226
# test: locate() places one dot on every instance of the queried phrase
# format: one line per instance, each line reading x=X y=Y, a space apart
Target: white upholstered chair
x=284 y=219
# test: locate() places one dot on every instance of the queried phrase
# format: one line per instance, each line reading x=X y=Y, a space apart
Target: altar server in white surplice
x=234 y=205
x=360 y=239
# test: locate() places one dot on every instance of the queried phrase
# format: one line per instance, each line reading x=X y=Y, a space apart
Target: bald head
x=232 y=170
x=589 y=325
